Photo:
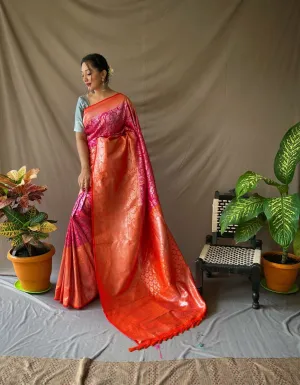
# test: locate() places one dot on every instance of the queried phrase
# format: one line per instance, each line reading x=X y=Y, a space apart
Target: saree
x=118 y=244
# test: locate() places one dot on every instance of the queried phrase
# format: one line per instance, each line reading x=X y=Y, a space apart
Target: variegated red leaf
x=28 y=188
x=24 y=201
x=35 y=196
x=4 y=201
x=6 y=182
x=34 y=188
x=31 y=174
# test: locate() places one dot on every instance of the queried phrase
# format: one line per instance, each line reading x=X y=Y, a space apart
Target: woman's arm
x=83 y=152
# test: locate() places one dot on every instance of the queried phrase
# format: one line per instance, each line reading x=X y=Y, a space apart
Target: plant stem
x=284 y=256
x=28 y=247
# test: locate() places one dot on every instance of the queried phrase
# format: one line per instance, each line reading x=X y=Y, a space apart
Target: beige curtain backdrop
x=215 y=84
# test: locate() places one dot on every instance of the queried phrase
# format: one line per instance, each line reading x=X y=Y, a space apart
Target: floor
x=38 y=326
x=210 y=371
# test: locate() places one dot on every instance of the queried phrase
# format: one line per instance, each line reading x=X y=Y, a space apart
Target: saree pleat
x=76 y=285
x=146 y=288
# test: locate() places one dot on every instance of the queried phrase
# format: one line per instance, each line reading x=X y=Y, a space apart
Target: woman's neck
x=101 y=92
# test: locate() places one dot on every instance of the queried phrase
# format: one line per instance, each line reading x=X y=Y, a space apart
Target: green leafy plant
x=281 y=213
x=21 y=222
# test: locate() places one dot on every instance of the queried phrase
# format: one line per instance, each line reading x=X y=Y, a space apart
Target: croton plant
x=281 y=212
x=21 y=222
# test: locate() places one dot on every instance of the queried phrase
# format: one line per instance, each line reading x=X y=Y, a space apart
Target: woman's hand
x=84 y=179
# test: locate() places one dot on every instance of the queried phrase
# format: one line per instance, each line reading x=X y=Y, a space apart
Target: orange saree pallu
x=126 y=252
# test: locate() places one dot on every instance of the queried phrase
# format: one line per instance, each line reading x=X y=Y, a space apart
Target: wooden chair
x=218 y=257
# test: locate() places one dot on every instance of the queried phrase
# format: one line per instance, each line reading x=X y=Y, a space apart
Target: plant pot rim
x=279 y=265
x=36 y=258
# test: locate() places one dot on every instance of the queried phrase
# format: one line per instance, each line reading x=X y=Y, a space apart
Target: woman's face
x=92 y=78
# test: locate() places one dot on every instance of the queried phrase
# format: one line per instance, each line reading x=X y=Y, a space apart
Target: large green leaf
x=31 y=213
x=40 y=217
x=241 y=210
x=283 y=215
x=288 y=155
x=249 y=181
x=247 y=230
x=15 y=217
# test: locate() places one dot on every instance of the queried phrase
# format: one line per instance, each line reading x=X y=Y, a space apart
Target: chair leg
x=255 y=286
x=199 y=276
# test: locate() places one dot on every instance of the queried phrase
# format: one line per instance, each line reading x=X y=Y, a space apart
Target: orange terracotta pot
x=33 y=272
x=280 y=277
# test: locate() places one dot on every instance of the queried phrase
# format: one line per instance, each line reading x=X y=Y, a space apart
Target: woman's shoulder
x=120 y=95
x=83 y=101
x=123 y=98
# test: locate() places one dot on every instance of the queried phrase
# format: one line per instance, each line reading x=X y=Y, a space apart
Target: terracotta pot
x=33 y=272
x=280 y=277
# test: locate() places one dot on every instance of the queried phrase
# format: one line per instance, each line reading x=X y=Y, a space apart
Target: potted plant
x=280 y=213
x=26 y=228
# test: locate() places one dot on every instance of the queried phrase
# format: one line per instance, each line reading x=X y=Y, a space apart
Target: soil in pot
x=275 y=258
x=34 y=251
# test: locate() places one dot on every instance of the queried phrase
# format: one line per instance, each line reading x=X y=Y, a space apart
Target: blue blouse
x=82 y=103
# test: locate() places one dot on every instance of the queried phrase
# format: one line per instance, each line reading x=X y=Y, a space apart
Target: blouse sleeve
x=78 y=125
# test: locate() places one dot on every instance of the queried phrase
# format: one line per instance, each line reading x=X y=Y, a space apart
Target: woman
x=117 y=243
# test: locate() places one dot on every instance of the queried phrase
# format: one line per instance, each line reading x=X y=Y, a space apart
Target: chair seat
x=230 y=255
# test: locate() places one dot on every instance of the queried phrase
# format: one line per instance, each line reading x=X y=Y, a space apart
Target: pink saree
x=118 y=244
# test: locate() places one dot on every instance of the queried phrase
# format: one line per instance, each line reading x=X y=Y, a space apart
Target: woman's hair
x=98 y=62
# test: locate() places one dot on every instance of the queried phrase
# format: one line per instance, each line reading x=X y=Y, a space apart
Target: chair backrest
x=219 y=203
